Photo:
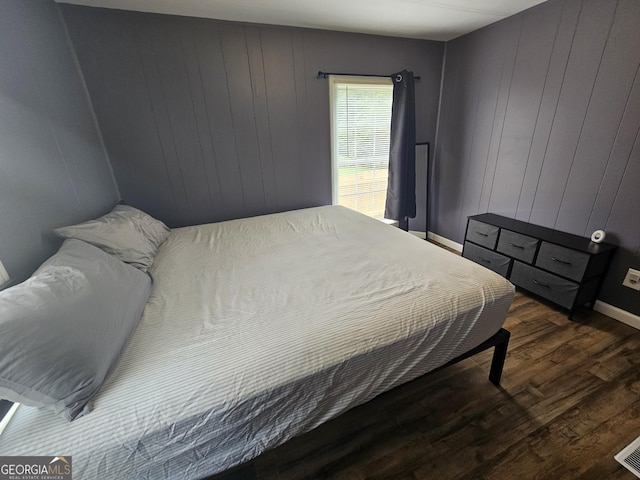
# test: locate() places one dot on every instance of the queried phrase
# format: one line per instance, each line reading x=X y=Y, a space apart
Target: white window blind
x=361 y=127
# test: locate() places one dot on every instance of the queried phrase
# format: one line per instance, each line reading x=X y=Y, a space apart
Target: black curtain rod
x=322 y=74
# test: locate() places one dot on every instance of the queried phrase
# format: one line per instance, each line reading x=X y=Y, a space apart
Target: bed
x=260 y=329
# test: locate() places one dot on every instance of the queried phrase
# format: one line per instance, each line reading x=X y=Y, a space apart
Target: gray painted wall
x=53 y=167
x=540 y=116
x=207 y=120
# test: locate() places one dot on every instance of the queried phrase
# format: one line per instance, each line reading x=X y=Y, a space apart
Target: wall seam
x=85 y=89
x=493 y=126
x=613 y=147
x=193 y=109
x=438 y=115
x=233 y=120
x=255 y=118
x=277 y=202
x=211 y=139
x=555 y=111
x=295 y=96
x=626 y=167
x=155 y=123
x=468 y=155
x=586 y=114
x=535 y=126
x=506 y=110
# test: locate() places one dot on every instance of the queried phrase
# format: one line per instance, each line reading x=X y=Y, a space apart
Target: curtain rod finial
x=321 y=74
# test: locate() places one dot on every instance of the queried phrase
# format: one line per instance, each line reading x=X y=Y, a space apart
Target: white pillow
x=126 y=232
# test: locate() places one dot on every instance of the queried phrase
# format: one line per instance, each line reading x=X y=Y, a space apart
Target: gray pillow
x=63 y=329
x=126 y=232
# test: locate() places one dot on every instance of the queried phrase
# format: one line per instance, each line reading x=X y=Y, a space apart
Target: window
x=7 y=409
x=360 y=136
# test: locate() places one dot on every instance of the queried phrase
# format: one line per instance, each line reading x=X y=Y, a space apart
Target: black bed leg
x=499 y=355
x=499 y=342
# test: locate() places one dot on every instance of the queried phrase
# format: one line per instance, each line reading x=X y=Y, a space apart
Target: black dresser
x=565 y=269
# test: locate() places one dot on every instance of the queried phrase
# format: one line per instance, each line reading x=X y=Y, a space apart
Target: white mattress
x=260 y=329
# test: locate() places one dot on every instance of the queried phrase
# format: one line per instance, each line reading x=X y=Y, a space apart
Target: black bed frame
x=500 y=341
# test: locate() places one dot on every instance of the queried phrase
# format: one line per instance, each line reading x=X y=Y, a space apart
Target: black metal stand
x=426 y=198
x=500 y=341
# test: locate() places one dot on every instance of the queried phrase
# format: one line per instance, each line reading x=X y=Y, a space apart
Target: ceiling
x=425 y=19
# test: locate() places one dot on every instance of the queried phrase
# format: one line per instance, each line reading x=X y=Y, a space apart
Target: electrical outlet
x=632 y=280
x=4 y=276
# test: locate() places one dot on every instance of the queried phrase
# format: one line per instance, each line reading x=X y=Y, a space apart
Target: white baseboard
x=446 y=242
x=441 y=240
x=388 y=221
x=617 y=314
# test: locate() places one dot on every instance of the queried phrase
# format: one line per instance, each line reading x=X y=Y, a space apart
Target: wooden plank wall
x=539 y=121
x=53 y=166
x=207 y=120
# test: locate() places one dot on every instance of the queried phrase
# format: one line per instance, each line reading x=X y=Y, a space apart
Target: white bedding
x=260 y=329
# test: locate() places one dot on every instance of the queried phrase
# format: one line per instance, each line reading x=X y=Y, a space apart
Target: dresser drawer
x=563 y=261
x=492 y=260
x=482 y=234
x=558 y=290
x=517 y=245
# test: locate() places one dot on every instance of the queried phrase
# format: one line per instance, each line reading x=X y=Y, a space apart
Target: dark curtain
x=401 y=187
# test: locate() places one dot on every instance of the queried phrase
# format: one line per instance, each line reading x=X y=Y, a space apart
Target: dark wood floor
x=569 y=400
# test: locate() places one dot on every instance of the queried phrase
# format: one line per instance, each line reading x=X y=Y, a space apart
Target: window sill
x=388 y=221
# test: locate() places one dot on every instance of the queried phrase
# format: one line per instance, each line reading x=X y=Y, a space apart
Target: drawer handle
x=517 y=246
x=545 y=285
x=483 y=234
x=484 y=260
x=564 y=262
